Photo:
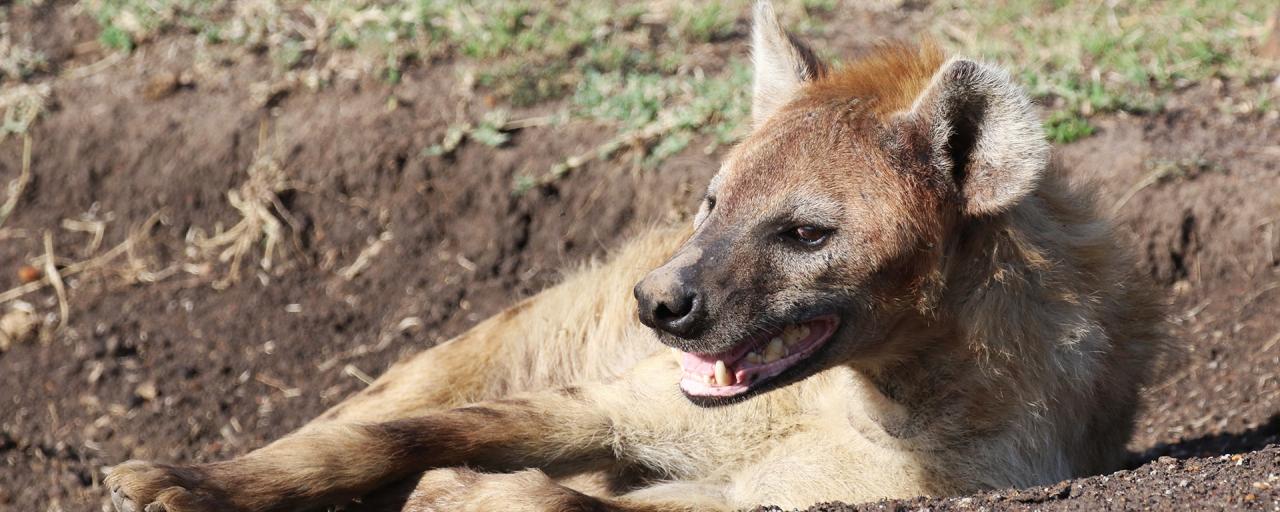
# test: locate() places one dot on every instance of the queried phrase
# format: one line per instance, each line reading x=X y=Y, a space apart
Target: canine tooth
x=774 y=351
x=722 y=374
x=676 y=353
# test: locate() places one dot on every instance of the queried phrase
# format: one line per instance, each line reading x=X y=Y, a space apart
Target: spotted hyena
x=888 y=291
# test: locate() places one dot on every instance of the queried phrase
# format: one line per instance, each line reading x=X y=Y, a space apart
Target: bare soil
x=165 y=365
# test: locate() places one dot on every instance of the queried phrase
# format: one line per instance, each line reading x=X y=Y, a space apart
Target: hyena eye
x=809 y=236
x=711 y=203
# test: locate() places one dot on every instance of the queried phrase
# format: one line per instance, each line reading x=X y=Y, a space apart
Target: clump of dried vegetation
x=262 y=221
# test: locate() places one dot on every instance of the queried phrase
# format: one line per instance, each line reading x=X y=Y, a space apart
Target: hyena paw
x=464 y=490
x=138 y=486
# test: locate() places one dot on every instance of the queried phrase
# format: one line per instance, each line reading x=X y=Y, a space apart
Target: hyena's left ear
x=984 y=132
x=782 y=63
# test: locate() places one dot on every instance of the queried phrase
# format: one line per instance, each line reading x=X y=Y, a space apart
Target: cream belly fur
x=988 y=331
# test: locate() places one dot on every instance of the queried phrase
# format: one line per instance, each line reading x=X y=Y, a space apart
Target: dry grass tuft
x=261 y=214
x=22 y=105
x=19 y=185
x=55 y=279
x=98 y=263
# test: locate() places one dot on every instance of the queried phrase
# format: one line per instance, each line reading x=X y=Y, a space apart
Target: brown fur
x=992 y=334
x=892 y=77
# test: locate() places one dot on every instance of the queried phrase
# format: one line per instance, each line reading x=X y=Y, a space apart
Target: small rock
x=29 y=274
x=161 y=85
x=18 y=325
x=147 y=391
x=95 y=371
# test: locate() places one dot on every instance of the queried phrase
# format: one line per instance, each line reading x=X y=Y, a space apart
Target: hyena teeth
x=676 y=353
x=794 y=334
x=722 y=374
x=754 y=358
x=774 y=351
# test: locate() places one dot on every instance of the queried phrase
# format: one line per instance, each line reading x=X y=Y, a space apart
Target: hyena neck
x=1016 y=346
x=1026 y=292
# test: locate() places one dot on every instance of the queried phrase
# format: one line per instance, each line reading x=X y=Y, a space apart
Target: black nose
x=679 y=310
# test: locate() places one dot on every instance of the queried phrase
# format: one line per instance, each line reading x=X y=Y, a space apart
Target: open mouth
x=754 y=360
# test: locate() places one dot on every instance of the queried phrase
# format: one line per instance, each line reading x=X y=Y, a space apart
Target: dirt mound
x=384 y=250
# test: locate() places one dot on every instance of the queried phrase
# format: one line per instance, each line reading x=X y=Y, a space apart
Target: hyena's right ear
x=984 y=133
x=782 y=63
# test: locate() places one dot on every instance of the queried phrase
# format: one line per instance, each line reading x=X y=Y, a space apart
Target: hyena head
x=825 y=228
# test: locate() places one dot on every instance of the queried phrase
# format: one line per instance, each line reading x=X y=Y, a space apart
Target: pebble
x=147 y=391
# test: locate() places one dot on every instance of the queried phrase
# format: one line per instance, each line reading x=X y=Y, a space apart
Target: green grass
x=125 y=23
x=639 y=69
x=685 y=107
x=1064 y=126
x=490 y=131
x=1087 y=57
x=706 y=21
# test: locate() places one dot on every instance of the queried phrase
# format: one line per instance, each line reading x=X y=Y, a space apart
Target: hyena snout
x=671 y=305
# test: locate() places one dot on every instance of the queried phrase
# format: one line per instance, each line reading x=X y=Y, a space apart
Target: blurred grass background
x=655 y=72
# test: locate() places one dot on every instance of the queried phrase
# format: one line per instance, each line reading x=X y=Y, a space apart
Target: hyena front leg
x=343 y=441
x=583 y=329
x=331 y=463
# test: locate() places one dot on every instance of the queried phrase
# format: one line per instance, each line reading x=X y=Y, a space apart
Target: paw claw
x=122 y=502
x=145 y=487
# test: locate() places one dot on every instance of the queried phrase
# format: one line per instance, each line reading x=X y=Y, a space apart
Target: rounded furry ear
x=781 y=63
x=984 y=131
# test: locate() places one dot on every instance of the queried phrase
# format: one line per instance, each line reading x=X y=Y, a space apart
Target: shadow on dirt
x=1211 y=445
